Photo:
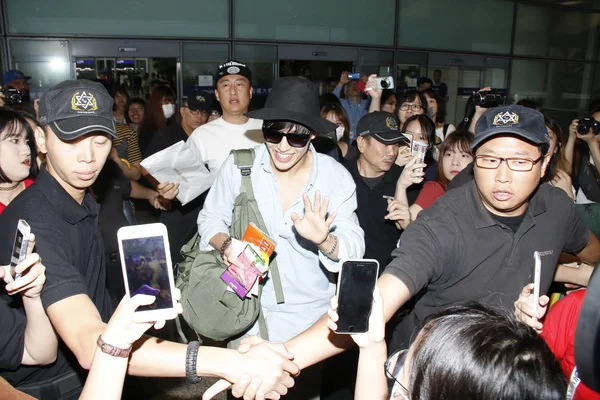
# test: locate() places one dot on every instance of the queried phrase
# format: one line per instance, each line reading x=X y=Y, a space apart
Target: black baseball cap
x=512 y=119
x=383 y=126
x=77 y=107
x=197 y=100
x=233 y=67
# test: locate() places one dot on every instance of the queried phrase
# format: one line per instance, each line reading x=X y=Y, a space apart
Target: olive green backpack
x=209 y=307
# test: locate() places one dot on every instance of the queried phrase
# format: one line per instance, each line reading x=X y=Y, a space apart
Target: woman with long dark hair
x=160 y=111
x=455 y=155
x=467 y=352
x=18 y=166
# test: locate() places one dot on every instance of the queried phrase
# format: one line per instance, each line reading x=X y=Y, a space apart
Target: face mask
x=168 y=110
x=339 y=132
x=430 y=112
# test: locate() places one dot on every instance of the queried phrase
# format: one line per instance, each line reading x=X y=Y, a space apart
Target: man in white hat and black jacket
x=307 y=201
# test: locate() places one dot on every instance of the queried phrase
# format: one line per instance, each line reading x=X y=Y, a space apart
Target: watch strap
x=113 y=350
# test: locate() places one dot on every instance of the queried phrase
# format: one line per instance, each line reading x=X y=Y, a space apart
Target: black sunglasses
x=294 y=139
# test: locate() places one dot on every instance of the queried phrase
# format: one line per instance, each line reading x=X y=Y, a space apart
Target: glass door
x=463 y=74
x=321 y=64
x=126 y=63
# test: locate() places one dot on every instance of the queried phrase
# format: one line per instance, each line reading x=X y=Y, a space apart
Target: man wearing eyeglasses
x=477 y=241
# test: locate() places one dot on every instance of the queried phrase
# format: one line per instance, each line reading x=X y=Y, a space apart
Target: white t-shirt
x=215 y=140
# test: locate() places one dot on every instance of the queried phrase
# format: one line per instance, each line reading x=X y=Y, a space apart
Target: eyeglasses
x=294 y=139
x=394 y=366
x=412 y=107
x=138 y=109
x=195 y=113
x=513 y=163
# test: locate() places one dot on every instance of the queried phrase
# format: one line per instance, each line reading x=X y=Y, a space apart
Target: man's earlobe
x=40 y=140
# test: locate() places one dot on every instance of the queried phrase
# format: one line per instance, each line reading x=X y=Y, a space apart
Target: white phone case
x=20 y=245
x=144 y=232
x=537 y=271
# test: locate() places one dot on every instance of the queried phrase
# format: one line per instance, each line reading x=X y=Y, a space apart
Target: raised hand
x=314 y=226
x=413 y=173
x=525 y=313
x=371 y=87
x=376 y=333
x=122 y=331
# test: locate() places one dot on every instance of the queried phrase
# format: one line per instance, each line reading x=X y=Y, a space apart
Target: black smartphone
x=356 y=283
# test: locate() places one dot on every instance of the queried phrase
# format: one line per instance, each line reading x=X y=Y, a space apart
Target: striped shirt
x=127 y=135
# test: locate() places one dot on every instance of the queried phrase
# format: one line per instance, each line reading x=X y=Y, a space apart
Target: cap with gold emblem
x=512 y=119
x=383 y=126
x=77 y=107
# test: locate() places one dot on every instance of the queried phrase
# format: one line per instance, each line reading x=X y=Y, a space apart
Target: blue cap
x=13 y=75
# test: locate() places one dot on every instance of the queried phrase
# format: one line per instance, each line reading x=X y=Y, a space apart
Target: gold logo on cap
x=83 y=102
x=391 y=123
x=506 y=118
x=201 y=99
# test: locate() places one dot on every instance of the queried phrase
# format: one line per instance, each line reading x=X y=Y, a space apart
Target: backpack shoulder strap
x=445 y=131
x=244 y=159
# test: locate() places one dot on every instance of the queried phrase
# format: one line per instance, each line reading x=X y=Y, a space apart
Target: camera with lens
x=386 y=82
x=488 y=99
x=12 y=96
x=587 y=123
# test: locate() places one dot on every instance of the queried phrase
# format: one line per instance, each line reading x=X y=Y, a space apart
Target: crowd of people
x=454 y=232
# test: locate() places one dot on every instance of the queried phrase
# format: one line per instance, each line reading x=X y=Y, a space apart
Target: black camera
x=587 y=123
x=12 y=96
x=488 y=99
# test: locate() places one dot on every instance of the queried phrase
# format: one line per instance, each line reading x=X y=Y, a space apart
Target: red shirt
x=432 y=190
x=559 y=333
x=28 y=183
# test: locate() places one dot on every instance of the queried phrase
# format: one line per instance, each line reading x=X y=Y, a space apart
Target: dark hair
x=135 y=100
x=423 y=80
x=462 y=140
x=476 y=352
x=289 y=126
x=120 y=90
x=386 y=94
x=339 y=113
x=428 y=128
x=154 y=118
x=530 y=104
x=12 y=123
x=558 y=160
x=440 y=115
x=470 y=108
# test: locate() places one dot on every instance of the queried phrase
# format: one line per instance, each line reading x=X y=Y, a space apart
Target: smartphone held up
x=147 y=269
x=356 y=283
x=20 y=245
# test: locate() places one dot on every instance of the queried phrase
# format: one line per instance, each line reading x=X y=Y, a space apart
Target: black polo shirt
x=381 y=235
x=68 y=239
x=181 y=221
x=166 y=137
x=456 y=251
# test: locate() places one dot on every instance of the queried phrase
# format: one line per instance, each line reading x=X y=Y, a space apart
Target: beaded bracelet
x=335 y=243
x=224 y=246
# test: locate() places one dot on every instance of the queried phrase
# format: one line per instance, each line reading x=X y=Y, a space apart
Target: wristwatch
x=112 y=350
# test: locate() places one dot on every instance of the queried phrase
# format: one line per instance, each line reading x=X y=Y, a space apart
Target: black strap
x=445 y=130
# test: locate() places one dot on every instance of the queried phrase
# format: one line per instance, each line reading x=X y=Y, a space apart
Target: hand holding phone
x=356 y=283
x=537 y=270
x=147 y=270
x=419 y=149
x=376 y=331
x=122 y=330
x=21 y=245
